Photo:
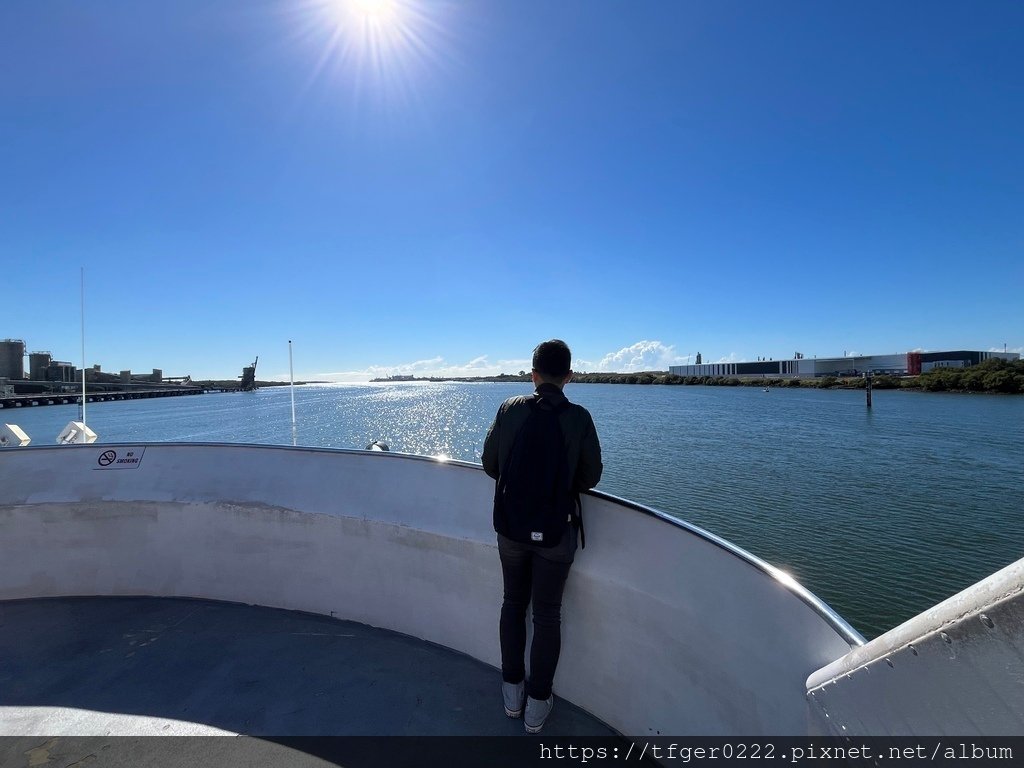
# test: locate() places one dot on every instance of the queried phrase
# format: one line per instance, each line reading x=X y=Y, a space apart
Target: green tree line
x=994 y=375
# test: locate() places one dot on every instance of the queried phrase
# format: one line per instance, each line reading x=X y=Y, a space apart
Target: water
x=881 y=513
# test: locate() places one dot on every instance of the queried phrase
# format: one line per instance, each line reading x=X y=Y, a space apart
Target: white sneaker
x=513 y=693
x=537 y=711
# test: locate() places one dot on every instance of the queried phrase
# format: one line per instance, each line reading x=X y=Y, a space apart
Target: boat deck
x=141 y=666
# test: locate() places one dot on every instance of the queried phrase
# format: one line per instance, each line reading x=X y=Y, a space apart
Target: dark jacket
x=583 y=450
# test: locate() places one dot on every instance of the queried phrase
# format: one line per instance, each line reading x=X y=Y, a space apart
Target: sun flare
x=372 y=46
x=381 y=13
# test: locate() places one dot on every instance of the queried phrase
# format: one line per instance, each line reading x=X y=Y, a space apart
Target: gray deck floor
x=244 y=669
x=91 y=679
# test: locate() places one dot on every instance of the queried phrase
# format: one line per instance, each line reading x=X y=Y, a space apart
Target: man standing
x=543 y=451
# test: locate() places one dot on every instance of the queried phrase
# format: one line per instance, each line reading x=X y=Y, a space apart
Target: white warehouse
x=902 y=364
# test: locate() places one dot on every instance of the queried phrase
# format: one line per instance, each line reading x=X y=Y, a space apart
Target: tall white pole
x=83 y=345
x=291 y=376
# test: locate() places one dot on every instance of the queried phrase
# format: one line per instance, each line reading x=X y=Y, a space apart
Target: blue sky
x=434 y=187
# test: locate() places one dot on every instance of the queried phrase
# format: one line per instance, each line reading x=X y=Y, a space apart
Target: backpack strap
x=578 y=520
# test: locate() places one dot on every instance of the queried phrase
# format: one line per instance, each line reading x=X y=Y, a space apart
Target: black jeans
x=529 y=576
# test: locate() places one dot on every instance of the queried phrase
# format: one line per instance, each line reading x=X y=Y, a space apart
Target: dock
x=72 y=398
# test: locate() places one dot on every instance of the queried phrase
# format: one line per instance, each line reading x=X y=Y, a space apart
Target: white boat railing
x=667 y=629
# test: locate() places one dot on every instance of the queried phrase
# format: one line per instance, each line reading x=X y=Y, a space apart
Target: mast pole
x=83 y=345
x=291 y=376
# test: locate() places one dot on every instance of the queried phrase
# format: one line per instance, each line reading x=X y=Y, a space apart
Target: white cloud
x=1018 y=350
x=642 y=356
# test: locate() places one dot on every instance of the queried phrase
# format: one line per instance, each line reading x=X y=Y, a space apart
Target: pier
x=73 y=398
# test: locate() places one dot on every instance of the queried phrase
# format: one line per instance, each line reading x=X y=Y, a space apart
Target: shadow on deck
x=102 y=667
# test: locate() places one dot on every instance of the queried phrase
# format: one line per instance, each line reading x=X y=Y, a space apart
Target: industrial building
x=42 y=368
x=903 y=364
x=52 y=382
x=41 y=365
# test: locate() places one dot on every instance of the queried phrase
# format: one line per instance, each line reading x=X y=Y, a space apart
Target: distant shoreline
x=979 y=379
x=994 y=376
x=232 y=384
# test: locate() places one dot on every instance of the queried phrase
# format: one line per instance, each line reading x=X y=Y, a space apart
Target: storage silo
x=12 y=359
x=38 y=363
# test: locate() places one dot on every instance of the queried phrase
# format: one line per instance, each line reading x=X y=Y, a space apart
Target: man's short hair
x=552 y=359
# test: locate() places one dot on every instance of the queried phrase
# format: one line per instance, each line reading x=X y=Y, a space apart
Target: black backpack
x=533 y=498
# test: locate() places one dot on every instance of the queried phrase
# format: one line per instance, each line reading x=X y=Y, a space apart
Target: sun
x=379 y=46
x=377 y=12
x=376 y=28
